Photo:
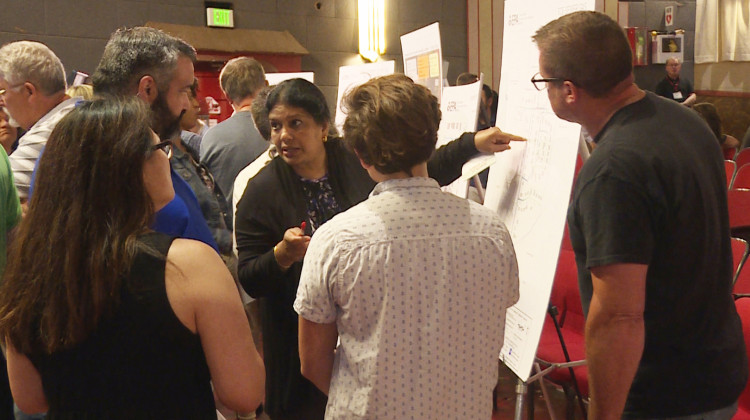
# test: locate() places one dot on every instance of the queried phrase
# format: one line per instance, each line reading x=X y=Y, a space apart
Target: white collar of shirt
x=50 y=116
x=414 y=182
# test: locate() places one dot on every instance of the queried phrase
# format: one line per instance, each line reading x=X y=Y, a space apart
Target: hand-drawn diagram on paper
x=529 y=185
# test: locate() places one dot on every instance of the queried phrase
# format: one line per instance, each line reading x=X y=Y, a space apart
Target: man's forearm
x=614 y=345
x=319 y=372
x=317 y=344
x=690 y=100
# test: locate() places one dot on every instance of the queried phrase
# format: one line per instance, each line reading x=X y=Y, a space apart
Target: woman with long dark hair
x=102 y=317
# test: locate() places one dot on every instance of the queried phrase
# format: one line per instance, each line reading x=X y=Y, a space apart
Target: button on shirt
x=418 y=282
x=23 y=159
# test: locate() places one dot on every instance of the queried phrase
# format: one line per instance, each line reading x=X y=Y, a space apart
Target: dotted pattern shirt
x=23 y=159
x=418 y=282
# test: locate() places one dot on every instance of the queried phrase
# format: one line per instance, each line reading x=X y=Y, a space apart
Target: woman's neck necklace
x=314 y=170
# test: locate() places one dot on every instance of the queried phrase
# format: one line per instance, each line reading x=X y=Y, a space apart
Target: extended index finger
x=513 y=137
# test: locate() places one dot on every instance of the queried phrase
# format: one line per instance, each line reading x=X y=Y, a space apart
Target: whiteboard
x=353 y=76
x=529 y=185
x=423 y=57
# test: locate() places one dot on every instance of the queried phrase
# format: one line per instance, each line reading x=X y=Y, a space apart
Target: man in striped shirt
x=32 y=85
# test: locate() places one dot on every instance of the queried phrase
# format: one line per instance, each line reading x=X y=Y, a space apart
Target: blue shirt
x=182 y=217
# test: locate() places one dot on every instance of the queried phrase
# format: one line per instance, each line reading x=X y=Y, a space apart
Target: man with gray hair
x=231 y=145
x=32 y=84
x=649 y=224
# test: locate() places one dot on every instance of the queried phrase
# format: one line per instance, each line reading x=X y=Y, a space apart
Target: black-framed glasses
x=165 y=146
x=540 y=83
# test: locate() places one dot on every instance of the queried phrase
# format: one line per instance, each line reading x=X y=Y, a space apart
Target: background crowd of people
x=120 y=298
x=160 y=268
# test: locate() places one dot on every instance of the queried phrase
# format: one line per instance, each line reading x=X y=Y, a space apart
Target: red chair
x=730 y=153
x=739 y=208
x=742 y=158
x=739 y=255
x=730 y=168
x=743 y=404
x=742 y=177
x=566 y=300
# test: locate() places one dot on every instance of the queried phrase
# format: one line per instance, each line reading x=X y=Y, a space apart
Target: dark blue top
x=141 y=362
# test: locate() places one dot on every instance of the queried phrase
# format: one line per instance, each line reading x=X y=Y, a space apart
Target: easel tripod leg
x=521 y=389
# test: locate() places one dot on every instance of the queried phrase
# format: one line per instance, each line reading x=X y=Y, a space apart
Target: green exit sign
x=220 y=18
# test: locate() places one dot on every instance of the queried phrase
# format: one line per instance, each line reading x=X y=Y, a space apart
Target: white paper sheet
x=529 y=185
x=423 y=57
x=276 y=78
x=353 y=76
x=459 y=109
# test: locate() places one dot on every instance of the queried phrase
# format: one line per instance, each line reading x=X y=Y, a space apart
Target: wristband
x=275 y=256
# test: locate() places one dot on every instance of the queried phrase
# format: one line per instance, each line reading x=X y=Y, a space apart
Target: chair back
x=742 y=158
x=743 y=309
x=730 y=168
x=742 y=177
x=739 y=255
x=739 y=208
x=730 y=153
x=565 y=294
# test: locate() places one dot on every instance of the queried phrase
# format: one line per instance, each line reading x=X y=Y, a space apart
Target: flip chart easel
x=529 y=186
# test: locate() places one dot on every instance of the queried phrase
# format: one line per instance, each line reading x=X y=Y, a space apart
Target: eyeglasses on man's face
x=165 y=146
x=540 y=83
x=4 y=91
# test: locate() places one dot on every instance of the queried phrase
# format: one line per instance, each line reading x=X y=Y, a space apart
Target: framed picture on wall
x=664 y=47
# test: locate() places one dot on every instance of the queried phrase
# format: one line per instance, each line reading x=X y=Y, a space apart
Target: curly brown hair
x=391 y=123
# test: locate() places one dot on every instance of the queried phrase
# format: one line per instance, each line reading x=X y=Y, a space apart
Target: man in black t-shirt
x=673 y=87
x=649 y=226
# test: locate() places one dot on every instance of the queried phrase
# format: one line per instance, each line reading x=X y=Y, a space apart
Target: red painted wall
x=207 y=73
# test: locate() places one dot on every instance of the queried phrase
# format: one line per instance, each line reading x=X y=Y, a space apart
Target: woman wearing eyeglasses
x=102 y=317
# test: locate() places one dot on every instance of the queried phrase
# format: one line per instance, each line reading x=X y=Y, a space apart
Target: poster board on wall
x=423 y=58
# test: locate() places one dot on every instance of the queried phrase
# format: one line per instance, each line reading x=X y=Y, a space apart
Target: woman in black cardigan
x=312 y=179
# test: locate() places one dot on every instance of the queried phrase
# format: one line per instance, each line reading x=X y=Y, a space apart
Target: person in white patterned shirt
x=32 y=85
x=414 y=282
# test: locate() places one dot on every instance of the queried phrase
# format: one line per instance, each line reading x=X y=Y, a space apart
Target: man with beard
x=158 y=68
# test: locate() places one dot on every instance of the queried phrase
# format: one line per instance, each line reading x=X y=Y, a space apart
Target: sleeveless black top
x=141 y=363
